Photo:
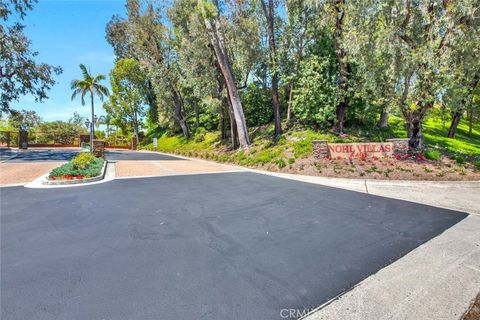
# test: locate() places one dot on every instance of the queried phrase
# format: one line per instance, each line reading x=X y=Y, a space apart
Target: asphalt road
x=213 y=246
x=40 y=155
x=46 y=155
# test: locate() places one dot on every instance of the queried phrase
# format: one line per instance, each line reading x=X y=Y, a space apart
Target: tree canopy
x=331 y=65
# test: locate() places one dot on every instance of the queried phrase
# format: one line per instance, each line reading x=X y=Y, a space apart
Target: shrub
x=433 y=155
x=281 y=163
x=291 y=160
x=477 y=165
x=460 y=159
x=92 y=170
x=83 y=160
x=200 y=135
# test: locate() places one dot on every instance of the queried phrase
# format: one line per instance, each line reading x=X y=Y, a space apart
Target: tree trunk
x=152 y=103
x=216 y=39
x=233 y=124
x=197 y=114
x=270 y=16
x=414 y=125
x=340 y=113
x=341 y=56
x=92 y=126
x=222 y=126
x=289 y=103
x=383 y=122
x=415 y=135
x=135 y=126
x=178 y=116
x=456 y=117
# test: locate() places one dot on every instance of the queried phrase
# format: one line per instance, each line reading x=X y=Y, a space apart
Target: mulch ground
x=382 y=169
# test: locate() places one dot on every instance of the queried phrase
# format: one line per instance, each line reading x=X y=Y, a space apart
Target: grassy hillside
x=297 y=144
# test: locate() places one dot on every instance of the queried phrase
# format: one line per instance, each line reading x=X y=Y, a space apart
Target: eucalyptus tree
x=463 y=77
x=269 y=9
x=419 y=38
x=152 y=44
x=209 y=11
x=301 y=20
x=89 y=84
x=119 y=34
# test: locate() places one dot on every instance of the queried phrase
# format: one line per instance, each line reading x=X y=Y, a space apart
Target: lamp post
x=89 y=125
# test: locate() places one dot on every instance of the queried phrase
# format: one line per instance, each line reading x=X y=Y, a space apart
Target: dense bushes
x=315 y=95
x=83 y=160
x=83 y=165
x=257 y=105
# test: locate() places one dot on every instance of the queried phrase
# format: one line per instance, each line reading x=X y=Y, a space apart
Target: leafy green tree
x=418 y=37
x=107 y=121
x=89 y=84
x=56 y=132
x=24 y=119
x=77 y=119
x=126 y=103
x=20 y=74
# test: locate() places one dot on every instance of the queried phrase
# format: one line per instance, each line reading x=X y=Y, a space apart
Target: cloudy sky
x=67 y=33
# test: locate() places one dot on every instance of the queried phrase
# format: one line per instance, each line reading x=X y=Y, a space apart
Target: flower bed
x=83 y=166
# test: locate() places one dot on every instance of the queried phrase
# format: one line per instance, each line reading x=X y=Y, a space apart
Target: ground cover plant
x=84 y=165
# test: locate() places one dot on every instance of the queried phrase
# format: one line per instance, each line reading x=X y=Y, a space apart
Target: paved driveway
x=213 y=246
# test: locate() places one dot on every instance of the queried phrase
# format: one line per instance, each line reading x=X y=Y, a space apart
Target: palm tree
x=106 y=120
x=89 y=84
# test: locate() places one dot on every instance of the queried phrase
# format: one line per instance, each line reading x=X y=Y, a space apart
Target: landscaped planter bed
x=76 y=171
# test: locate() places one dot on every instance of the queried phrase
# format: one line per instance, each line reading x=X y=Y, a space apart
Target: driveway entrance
x=212 y=246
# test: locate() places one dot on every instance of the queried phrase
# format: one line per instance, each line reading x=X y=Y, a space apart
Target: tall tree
x=341 y=54
x=20 y=74
x=269 y=13
x=126 y=102
x=211 y=16
x=89 y=84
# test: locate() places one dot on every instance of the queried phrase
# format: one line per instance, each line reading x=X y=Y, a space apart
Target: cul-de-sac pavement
x=164 y=237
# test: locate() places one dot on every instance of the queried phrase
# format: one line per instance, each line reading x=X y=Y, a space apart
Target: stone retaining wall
x=320 y=149
x=400 y=146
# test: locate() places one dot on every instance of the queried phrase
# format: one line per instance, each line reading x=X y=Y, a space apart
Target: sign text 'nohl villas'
x=322 y=149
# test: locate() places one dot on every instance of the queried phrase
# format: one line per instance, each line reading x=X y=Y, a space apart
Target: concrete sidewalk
x=457 y=195
x=438 y=280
